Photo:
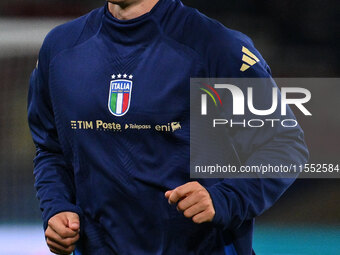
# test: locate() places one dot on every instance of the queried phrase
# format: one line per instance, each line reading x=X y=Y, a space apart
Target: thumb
x=73 y=221
x=168 y=193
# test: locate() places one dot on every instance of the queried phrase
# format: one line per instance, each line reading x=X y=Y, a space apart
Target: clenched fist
x=63 y=232
x=193 y=200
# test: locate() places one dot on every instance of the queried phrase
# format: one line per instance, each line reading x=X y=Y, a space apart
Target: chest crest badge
x=120 y=94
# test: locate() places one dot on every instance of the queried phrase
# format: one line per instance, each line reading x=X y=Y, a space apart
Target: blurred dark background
x=297 y=39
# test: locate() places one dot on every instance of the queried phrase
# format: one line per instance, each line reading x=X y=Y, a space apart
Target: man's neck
x=132 y=10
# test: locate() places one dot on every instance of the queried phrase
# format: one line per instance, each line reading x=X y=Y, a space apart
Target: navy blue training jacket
x=100 y=89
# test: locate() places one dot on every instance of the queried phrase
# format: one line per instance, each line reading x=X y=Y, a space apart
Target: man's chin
x=117 y=1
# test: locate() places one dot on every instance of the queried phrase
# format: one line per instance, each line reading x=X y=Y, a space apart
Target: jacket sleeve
x=240 y=199
x=53 y=177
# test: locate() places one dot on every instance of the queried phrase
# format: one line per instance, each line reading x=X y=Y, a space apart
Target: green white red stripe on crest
x=119 y=96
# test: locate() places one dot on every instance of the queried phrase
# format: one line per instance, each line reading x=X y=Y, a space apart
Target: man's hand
x=193 y=200
x=63 y=232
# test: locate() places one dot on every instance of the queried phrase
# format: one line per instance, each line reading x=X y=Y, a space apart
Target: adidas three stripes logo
x=248 y=58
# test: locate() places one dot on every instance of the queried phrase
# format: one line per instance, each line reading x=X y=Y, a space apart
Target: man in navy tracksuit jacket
x=107 y=164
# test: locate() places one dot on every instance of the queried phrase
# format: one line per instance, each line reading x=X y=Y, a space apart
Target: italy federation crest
x=120 y=94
